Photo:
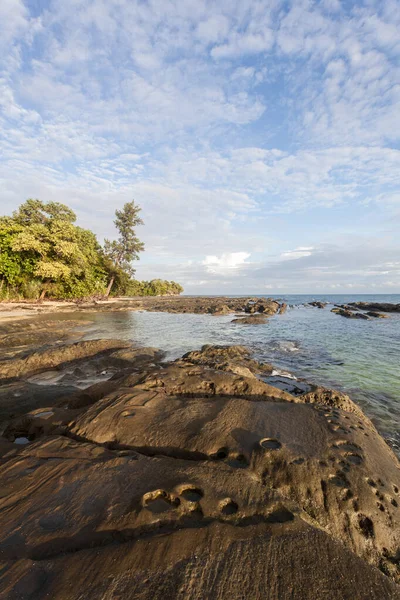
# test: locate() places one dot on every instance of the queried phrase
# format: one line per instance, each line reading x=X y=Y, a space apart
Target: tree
x=43 y=251
x=63 y=258
x=121 y=252
x=35 y=212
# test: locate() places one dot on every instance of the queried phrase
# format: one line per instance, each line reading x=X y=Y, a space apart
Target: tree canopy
x=121 y=252
x=43 y=252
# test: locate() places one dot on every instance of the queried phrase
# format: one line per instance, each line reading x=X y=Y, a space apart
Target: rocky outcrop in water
x=196 y=479
x=217 y=305
x=376 y=306
x=349 y=314
x=318 y=304
x=256 y=319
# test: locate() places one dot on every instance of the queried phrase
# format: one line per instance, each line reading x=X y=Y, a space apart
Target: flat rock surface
x=196 y=479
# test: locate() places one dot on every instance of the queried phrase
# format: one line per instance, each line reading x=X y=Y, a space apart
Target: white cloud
x=226 y=262
x=297 y=253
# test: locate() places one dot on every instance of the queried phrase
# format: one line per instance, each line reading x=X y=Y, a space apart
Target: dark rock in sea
x=376 y=315
x=318 y=304
x=349 y=314
x=377 y=306
x=283 y=308
x=253 y=319
x=347 y=307
x=196 y=479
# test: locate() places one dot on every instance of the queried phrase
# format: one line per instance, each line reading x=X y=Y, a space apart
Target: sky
x=260 y=137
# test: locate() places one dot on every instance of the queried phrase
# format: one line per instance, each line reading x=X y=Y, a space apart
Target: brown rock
x=54 y=357
x=349 y=314
x=194 y=481
x=256 y=319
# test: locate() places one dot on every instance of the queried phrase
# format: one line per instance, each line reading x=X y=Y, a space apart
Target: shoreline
x=216 y=305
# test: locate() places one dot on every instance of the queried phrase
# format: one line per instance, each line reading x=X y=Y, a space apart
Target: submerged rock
x=196 y=479
x=256 y=319
x=349 y=314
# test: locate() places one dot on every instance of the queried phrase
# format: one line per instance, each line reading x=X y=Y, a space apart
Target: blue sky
x=261 y=138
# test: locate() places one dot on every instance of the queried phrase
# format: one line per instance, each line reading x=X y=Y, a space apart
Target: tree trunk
x=42 y=295
x=110 y=286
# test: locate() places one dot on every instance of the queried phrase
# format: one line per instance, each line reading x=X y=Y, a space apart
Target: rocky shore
x=218 y=305
x=194 y=478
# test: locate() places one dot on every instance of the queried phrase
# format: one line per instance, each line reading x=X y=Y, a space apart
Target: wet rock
x=169 y=476
x=377 y=306
x=256 y=319
x=318 y=304
x=331 y=398
x=376 y=315
x=283 y=308
x=349 y=314
x=54 y=357
x=226 y=358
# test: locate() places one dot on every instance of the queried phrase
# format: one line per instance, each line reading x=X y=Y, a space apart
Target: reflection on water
x=358 y=357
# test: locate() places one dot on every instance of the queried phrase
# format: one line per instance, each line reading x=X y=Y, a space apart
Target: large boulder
x=191 y=480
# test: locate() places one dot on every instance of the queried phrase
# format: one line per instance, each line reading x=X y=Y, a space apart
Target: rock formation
x=349 y=314
x=318 y=304
x=196 y=479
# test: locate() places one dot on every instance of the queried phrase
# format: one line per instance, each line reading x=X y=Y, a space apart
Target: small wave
x=278 y=373
x=287 y=346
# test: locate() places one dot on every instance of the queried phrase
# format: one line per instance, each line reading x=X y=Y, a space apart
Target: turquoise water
x=356 y=356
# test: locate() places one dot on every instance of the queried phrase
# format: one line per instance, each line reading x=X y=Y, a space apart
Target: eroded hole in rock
x=21 y=441
x=159 y=501
x=348 y=446
x=354 y=459
x=339 y=480
x=192 y=494
x=299 y=461
x=128 y=413
x=270 y=444
x=366 y=526
x=238 y=462
x=347 y=495
x=228 y=507
x=280 y=515
x=43 y=415
x=220 y=454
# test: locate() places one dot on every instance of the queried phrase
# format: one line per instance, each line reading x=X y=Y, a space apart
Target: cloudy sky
x=260 y=137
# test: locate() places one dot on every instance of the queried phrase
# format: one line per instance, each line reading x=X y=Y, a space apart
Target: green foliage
x=155 y=287
x=37 y=212
x=41 y=243
x=121 y=252
x=42 y=251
